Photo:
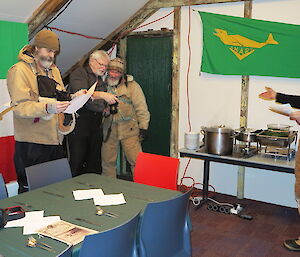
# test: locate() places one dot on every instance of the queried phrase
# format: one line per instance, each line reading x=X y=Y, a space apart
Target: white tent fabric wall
x=215 y=100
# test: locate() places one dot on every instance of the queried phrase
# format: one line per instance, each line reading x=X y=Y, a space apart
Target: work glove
x=143 y=134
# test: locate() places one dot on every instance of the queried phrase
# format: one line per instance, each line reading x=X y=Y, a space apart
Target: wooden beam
x=175 y=84
x=244 y=110
x=178 y=3
x=134 y=21
x=245 y=79
x=43 y=14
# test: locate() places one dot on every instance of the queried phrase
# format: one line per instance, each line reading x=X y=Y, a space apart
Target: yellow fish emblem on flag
x=242 y=46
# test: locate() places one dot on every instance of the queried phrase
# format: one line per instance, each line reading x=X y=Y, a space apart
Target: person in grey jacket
x=85 y=141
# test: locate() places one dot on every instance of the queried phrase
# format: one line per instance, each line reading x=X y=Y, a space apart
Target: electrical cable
x=61 y=11
x=188 y=70
x=187 y=88
x=227 y=204
x=188 y=97
x=101 y=38
x=127 y=32
x=78 y=34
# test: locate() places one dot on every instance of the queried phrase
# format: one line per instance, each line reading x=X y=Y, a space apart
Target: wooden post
x=179 y=3
x=244 y=110
x=175 y=84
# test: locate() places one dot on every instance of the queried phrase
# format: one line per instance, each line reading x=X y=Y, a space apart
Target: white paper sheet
x=87 y=194
x=32 y=228
x=113 y=199
x=32 y=222
x=284 y=109
x=77 y=102
x=29 y=216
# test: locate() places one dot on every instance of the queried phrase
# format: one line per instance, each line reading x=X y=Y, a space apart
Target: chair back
x=156 y=170
x=47 y=173
x=3 y=190
x=120 y=241
x=164 y=229
x=67 y=252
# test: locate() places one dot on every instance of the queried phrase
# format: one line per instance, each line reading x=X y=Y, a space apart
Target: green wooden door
x=149 y=60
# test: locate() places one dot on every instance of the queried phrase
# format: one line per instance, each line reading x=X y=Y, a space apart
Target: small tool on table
x=87 y=221
x=100 y=212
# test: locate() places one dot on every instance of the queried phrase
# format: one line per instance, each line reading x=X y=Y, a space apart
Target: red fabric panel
x=7 y=150
x=156 y=170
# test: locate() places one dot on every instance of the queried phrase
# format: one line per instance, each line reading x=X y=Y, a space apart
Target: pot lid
x=247 y=131
x=219 y=129
x=279 y=126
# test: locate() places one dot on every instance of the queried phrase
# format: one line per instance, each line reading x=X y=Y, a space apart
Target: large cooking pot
x=218 y=140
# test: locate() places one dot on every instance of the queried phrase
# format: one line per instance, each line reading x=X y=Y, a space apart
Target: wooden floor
x=225 y=235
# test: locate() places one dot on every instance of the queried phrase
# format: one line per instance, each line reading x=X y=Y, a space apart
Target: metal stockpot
x=218 y=140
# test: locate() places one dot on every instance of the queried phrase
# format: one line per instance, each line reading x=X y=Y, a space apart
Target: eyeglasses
x=101 y=64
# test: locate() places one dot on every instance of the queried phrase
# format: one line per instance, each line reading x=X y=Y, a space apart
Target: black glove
x=143 y=134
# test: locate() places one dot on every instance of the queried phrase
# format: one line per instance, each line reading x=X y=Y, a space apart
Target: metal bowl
x=246 y=134
x=281 y=127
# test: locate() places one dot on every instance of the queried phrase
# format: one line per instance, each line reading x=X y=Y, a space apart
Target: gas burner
x=244 y=151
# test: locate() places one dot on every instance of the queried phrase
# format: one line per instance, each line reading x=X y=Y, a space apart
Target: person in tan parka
x=31 y=83
x=129 y=124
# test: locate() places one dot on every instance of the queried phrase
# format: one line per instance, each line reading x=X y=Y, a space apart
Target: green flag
x=241 y=46
x=13 y=36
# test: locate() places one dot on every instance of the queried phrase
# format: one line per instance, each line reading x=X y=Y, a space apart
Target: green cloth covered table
x=13 y=242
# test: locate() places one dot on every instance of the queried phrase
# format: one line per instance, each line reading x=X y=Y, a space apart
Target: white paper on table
x=29 y=217
x=87 y=194
x=113 y=199
x=284 y=109
x=32 y=228
x=32 y=222
x=77 y=102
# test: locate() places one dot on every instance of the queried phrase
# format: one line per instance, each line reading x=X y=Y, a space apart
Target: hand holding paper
x=78 y=101
x=295 y=116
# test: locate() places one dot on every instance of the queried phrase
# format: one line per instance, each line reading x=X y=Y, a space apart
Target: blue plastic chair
x=3 y=191
x=164 y=230
x=67 y=252
x=117 y=242
x=47 y=173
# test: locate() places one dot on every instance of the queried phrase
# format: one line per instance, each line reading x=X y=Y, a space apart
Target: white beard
x=46 y=64
x=113 y=82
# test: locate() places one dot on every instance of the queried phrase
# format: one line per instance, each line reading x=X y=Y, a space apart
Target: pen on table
x=54 y=194
x=86 y=184
x=87 y=221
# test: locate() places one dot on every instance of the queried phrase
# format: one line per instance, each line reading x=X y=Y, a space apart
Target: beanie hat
x=47 y=39
x=116 y=64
